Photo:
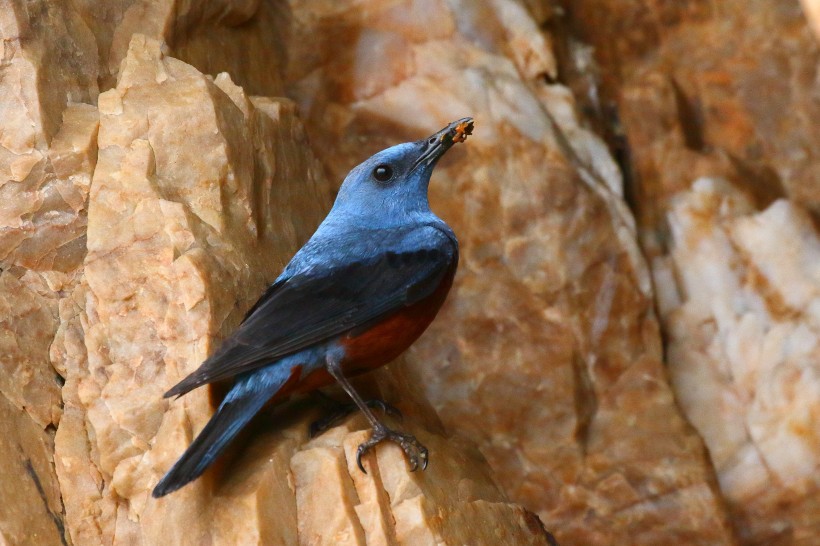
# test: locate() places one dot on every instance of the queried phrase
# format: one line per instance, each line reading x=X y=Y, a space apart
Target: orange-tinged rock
x=743 y=352
x=146 y=199
x=702 y=93
x=547 y=353
x=32 y=513
x=199 y=196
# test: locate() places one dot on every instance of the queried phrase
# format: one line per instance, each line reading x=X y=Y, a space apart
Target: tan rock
x=89 y=520
x=27 y=324
x=712 y=153
x=242 y=38
x=31 y=508
x=547 y=353
x=256 y=505
x=324 y=498
x=199 y=195
x=812 y=10
x=727 y=74
x=173 y=221
x=49 y=62
x=58 y=56
x=44 y=205
x=744 y=351
x=453 y=502
x=134 y=233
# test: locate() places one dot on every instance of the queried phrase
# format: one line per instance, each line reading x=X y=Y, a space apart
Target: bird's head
x=391 y=186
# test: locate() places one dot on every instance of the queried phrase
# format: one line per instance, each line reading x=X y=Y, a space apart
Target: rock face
x=743 y=352
x=548 y=353
x=155 y=180
x=712 y=155
x=154 y=219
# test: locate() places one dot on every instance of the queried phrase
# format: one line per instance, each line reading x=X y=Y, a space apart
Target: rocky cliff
x=630 y=351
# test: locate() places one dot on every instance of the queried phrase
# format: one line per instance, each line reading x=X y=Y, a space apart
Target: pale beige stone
x=744 y=351
x=44 y=207
x=453 y=502
x=373 y=509
x=242 y=38
x=88 y=515
x=732 y=70
x=31 y=509
x=78 y=46
x=256 y=504
x=47 y=142
x=547 y=353
x=174 y=220
x=702 y=91
x=61 y=54
x=199 y=196
x=812 y=10
x=28 y=320
x=49 y=62
x=325 y=498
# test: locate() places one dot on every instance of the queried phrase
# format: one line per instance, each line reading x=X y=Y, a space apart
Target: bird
x=362 y=289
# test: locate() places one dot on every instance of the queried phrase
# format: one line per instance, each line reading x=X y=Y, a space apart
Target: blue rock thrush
x=361 y=290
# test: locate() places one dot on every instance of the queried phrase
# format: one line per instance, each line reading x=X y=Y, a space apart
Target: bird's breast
x=386 y=339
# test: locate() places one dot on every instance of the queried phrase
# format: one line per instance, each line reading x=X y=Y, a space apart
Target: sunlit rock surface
x=812 y=10
x=146 y=198
x=175 y=220
x=698 y=81
x=58 y=57
x=741 y=301
x=716 y=105
x=32 y=508
x=548 y=353
x=199 y=196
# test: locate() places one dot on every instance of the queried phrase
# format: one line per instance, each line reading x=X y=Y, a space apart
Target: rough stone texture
x=239 y=37
x=453 y=502
x=717 y=86
x=717 y=103
x=184 y=214
x=31 y=511
x=28 y=312
x=742 y=307
x=58 y=55
x=47 y=147
x=812 y=10
x=133 y=235
x=547 y=354
x=199 y=195
x=144 y=205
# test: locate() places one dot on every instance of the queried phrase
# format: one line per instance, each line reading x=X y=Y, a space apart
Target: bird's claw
x=343 y=410
x=415 y=451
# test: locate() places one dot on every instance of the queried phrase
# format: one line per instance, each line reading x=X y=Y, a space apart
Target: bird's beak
x=435 y=145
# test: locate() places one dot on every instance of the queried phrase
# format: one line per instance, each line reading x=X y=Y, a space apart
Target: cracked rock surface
x=630 y=351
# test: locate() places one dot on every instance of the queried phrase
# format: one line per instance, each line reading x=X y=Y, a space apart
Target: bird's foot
x=415 y=451
x=343 y=410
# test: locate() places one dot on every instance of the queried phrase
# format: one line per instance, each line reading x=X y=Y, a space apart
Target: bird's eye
x=383 y=173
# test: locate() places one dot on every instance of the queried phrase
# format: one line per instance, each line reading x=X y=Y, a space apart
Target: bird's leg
x=341 y=410
x=414 y=450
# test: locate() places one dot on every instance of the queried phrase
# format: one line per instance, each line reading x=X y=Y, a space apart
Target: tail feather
x=250 y=392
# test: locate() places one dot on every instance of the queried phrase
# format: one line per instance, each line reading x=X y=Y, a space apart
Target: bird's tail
x=250 y=392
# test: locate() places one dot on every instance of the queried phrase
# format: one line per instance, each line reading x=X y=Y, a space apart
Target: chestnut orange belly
x=387 y=339
x=378 y=344
x=368 y=350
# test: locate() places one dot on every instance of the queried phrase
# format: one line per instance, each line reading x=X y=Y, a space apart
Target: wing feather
x=303 y=310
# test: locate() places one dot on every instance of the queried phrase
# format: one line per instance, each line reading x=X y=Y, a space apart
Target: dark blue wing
x=303 y=310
